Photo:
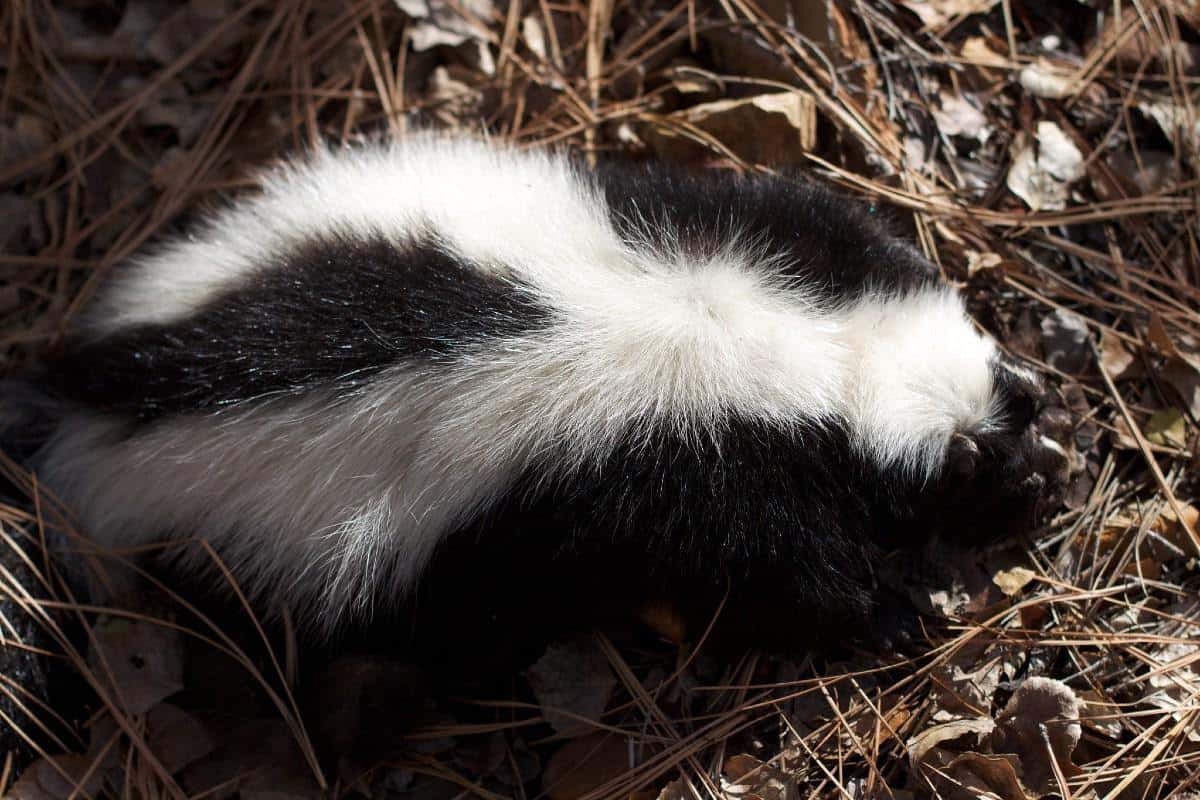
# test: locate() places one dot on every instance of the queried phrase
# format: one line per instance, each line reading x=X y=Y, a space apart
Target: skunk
x=451 y=363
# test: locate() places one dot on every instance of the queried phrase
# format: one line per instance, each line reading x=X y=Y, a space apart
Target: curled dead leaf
x=961 y=734
x=572 y=676
x=439 y=22
x=584 y=764
x=1040 y=721
x=1050 y=79
x=957 y=116
x=936 y=13
x=55 y=777
x=1012 y=581
x=1042 y=171
x=784 y=125
x=1115 y=357
x=142 y=662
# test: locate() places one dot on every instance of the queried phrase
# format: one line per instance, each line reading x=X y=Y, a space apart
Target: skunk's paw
x=895 y=625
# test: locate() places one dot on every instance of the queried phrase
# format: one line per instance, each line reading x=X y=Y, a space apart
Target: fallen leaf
x=441 y=22
x=676 y=790
x=961 y=734
x=1142 y=49
x=1167 y=427
x=533 y=36
x=784 y=125
x=585 y=764
x=971 y=776
x=17 y=215
x=1042 y=178
x=957 y=116
x=176 y=737
x=1180 y=125
x=1152 y=172
x=665 y=621
x=56 y=777
x=142 y=662
x=572 y=676
x=1114 y=355
x=1099 y=713
x=977 y=50
x=978 y=262
x=1012 y=581
x=1148 y=568
x=1050 y=79
x=747 y=777
x=936 y=13
x=967 y=683
x=258 y=759
x=1041 y=712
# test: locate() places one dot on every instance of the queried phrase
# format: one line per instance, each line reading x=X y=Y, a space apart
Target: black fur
x=792 y=525
x=839 y=248
x=331 y=311
x=789 y=531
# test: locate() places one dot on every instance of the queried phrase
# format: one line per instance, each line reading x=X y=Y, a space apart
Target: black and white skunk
x=450 y=364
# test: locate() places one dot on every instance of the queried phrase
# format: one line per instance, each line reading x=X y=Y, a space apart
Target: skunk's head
x=1006 y=474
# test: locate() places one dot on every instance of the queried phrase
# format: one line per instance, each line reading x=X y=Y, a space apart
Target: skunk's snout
x=1044 y=460
x=1053 y=430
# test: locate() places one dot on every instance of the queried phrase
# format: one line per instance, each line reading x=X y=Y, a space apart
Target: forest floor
x=1043 y=155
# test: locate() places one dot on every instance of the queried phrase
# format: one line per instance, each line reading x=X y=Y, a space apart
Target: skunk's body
x=696 y=381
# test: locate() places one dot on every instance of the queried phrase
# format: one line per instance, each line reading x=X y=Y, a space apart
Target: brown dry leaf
x=971 y=776
x=1141 y=48
x=1182 y=370
x=1115 y=356
x=1175 y=680
x=1012 y=581
x=961 y=734
x=745 y=776
x=1168 y=526
x=1184 y=379
x=665 y=621
x=56 y=777
x=966 y=683
x=440 y=22
x=585 y=764
x=978 y=262
x=675 y=790
x=1041 y=712
x=176 y=737
x=17 y=215
x=21 y=138
x=572 y=676
x=365 y=705
x=255 y=758
x=1167 y=427
x=1177 y=121
x=784 y=125
x=1042 y=172
x=141 y=661
x=1149 y=568
x=977 y=50
x=936 y=13
x=1098 y=712
x=1152 y=172
x=956 y=115
x=1050 y=79
x=174 y=34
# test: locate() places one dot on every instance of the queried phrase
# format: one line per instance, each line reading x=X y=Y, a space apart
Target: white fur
x=338 y=497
